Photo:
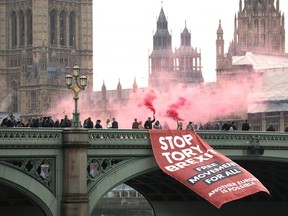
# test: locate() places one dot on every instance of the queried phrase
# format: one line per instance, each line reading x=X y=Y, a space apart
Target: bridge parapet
x=39 y=152
x=30 y=136
x=126 y=138
x=218 y=139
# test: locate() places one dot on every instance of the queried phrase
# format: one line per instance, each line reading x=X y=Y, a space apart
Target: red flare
x=172 y=113
x=148 y=101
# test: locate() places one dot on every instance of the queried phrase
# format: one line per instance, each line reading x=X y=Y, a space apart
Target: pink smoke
x=180 y=103
x=172 y=112
x=199 y=104
x=148 y=100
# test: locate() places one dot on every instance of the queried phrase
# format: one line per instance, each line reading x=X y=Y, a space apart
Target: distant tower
x=161 y=59
x=220 y=49
x=104 y=92
x=260 y=28
x=188 y=67
x=41 y=41
x=119 y=91
x=135 y=86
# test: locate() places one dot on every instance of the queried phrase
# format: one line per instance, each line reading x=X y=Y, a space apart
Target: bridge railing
x=214 y=138
x=25 y=137
x=126 y=138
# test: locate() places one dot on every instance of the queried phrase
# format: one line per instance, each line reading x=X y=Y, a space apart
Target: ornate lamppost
x=72 y=83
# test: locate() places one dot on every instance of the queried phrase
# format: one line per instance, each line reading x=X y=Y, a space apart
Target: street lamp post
x=72 y=83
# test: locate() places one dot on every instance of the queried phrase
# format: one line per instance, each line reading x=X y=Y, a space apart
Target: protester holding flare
x=148 y=123
x=179 y=125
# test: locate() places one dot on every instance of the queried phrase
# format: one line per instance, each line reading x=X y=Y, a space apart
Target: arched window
x=62 y=28
x=14 y=29
x=21 y=28
x=53 y=27
x=33 y=100
x=14 y=98
x=72 y=27
x=263 y=26
x=29 y=28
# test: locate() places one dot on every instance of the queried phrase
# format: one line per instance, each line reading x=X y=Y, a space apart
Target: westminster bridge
x=65 y=172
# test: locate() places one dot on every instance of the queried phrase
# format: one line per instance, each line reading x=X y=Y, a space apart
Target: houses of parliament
x=41 y=42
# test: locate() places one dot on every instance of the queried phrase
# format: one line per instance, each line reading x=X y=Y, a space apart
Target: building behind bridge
x=41 y=44
x=257 y=50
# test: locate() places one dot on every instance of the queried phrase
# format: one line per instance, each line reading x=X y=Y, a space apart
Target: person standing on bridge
x=108 y=124
x=135 y=124
x=245 y=126
x=190 y=126
x=140 y=126
x=286 y=129
x=114 y=123
x=179 y=125
x=88 y=123
x=270 y=128
x=98 y=124
x=65 y=122
x=148 y=123
x=157 y=125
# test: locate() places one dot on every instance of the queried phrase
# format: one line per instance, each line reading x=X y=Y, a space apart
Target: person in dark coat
x=114 y=123
x=135 y=124
x=245 y=126
x=98 y=124
x=270 y=128
x=148 y=123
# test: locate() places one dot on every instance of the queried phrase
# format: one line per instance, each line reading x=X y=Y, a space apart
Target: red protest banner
x=183 y=155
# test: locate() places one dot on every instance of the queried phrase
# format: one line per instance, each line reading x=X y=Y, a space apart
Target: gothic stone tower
x=40 y=42
x=165 y=66
x=188 y=69
x=161 y=59
x=260 y=28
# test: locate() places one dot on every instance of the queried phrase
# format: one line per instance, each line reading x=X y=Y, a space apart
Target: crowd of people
x=47 y=121
x=150 y=123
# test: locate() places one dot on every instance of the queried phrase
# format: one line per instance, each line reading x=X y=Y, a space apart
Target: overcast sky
x=123 y=35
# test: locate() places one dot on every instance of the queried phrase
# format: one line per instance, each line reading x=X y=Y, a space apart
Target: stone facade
x=259 y=27
x=165 y=66
x=40 y=42
x=259 y=39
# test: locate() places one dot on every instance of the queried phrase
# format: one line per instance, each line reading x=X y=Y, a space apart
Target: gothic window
x=29 y=27
x=36 y=71
x=51 y=72
x=21 y=28
x=275 y=42
x=14 y=98
x=164 y=42
x=33 y=100
x=53 y=26
x=72 y=28
x=63 y=28
x=256 y=36
x=244 y=23
x=263 y=26
x=219 y=50
x=256 y=25
x=14 y=29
